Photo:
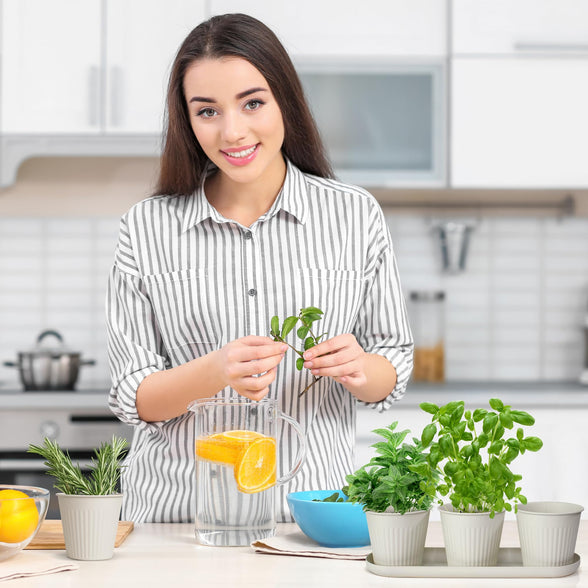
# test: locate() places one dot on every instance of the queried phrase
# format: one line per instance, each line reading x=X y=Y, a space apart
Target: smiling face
x=236 y=119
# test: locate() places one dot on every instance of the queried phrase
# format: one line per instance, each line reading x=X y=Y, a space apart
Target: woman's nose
x=233 y=128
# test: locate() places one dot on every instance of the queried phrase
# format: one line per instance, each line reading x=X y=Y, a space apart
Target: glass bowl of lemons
x=22 y=510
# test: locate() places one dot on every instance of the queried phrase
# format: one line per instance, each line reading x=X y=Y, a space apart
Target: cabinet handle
x=116 y=94
x=94 y=98
x=551 y=47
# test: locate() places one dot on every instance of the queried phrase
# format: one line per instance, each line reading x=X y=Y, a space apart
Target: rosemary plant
x=104 y=471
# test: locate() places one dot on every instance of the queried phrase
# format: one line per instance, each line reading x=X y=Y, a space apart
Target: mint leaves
x=307 y=317
x=398 y=477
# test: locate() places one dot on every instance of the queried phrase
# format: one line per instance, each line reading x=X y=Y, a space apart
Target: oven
x=79 y=422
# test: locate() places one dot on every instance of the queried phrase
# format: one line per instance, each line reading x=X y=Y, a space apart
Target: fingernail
x=306 y=355
x=307 y=364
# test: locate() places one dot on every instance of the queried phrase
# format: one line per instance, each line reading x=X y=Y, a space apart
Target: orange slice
x=256 y=470
x=241 y=435
x=226 y=447
x=217 y=449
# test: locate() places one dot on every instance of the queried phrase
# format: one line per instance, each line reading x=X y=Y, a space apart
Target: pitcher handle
x=300 y=456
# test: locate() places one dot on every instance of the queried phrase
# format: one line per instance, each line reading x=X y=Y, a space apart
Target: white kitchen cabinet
x=519 y=26
x=519 y=122
x=368 y=28
x=50 y=66
x=142 y=40
x=98 y=66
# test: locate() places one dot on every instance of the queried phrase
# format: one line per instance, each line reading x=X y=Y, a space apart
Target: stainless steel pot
x=49 y=368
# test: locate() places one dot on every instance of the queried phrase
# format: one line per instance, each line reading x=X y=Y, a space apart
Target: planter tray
x=510 y=565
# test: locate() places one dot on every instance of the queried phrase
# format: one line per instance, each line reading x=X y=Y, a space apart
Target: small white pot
x=398 y=539
x=548 y=532
x=89 y=524
x=471 y=538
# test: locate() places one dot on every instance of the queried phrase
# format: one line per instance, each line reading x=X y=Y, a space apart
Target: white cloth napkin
x=33 y=563
x=297 y=543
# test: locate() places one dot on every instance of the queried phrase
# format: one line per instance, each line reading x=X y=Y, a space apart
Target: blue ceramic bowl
x=330 y=524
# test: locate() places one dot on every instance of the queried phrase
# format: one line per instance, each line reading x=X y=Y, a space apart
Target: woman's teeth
x=243 y=153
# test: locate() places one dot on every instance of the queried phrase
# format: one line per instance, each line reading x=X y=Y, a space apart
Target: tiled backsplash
x=516 y=313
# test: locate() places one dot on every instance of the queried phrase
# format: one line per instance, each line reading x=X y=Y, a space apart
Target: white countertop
x=168 y=555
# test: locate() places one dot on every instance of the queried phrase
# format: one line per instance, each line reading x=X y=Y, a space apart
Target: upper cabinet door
x=50 y=66
x=518 y=26
x=519 y=123
x=367 y=28
x=143 y=37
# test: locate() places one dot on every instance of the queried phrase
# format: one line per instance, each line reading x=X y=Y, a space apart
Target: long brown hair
x=183 y=162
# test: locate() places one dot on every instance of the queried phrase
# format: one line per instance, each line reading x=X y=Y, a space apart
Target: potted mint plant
x=397 y=488
x=476 y=453
x=89 y=504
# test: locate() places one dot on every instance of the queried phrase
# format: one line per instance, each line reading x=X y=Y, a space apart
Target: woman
x=246 y=223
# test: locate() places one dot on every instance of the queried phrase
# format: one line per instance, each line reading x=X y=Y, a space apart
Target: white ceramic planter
x=471 y=538
x=548 y=532
x=89 y=524
x=398 y=539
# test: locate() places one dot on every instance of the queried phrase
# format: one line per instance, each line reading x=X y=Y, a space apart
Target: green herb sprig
x=307 y=316
x=335 y=497
x=477 y=476
x=103 y=475
x=399 y=478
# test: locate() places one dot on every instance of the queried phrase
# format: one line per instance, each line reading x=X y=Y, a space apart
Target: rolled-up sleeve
x=135 y=348
x=382 y=326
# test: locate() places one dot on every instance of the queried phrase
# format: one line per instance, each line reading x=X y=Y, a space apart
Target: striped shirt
x=186 y=281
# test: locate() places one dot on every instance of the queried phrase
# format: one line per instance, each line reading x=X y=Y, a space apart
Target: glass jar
x=427 y=320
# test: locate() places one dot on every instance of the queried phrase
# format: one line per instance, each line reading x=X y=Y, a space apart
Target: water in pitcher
x=235 y=475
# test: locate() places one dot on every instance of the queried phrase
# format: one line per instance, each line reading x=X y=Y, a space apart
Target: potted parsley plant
x=396 y=488
x=475 y=453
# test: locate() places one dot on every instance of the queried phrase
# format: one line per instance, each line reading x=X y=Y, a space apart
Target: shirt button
x=248 y=235
x=252 y=292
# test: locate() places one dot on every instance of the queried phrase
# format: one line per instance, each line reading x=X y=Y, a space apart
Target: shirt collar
x=291 y=199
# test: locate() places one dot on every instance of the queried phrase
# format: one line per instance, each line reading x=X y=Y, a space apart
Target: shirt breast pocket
x=337 y=292
x=182 y=302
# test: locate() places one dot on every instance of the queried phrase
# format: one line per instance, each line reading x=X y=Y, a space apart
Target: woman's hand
x=340 y=358
x=248 y=365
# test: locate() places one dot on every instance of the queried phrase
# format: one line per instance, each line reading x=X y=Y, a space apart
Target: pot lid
x=49 y=342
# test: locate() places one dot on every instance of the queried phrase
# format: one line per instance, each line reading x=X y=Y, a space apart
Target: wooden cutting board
x=50 y=535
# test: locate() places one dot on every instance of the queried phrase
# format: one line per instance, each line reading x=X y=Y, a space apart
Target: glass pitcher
x=236 y=457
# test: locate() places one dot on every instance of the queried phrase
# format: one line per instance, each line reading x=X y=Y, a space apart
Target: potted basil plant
x=89 y=504
x=397 y=488
x=476 y=453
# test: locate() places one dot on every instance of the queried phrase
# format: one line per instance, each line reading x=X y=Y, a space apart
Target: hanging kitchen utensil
x=49 y=367
x=454 y=238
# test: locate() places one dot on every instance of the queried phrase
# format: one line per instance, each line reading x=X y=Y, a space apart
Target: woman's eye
x=253 y=104
x=206 y=113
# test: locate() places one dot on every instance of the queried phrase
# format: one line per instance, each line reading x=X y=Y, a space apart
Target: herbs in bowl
x=327 y=517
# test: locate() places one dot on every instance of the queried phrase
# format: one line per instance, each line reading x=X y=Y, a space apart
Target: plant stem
x=314 y=381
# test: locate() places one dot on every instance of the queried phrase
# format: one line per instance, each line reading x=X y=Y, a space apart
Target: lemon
x=18 y=516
